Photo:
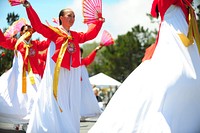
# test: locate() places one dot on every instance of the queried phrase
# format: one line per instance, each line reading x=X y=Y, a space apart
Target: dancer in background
x=57 y=107
x=162 y=94
x=20 y=83
x=89 y=103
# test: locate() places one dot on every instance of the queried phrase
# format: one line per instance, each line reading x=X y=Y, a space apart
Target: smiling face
x=67 y=18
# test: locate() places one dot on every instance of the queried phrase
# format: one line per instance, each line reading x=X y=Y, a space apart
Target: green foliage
x=120 y=59
x=11 y=18
x=6 y=58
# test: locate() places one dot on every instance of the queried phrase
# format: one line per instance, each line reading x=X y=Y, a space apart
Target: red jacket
x=33 y=50
x=89 y=59
x=77 y=37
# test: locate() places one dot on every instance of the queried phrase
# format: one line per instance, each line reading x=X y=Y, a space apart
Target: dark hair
x=81 y=50
x=62 y=12
x=26 y=25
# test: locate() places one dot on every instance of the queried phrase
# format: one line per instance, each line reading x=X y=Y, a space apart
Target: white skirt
x=46 y=115
x=89 y=103
x=15 y=106
x=161 y=95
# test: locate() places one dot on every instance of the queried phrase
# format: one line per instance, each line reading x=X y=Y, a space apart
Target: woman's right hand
x=26 y=3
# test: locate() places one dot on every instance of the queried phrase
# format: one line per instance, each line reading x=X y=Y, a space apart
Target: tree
x=122 y=58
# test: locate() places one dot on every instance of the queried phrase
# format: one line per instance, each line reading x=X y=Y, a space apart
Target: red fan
x=15 y=28
x=106 y=39
x=92 y=10
x=15 y=2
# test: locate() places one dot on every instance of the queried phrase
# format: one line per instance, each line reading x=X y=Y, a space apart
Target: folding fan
x=55 y=20
x=15 y=2
x=92 y=10
x=15 y=28
x=106 y=39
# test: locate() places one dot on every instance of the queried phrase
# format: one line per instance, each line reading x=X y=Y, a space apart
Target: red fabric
x=42 y=61
x=163 y=5
x=33 y=51
x=149 y=52
x=2 y=38
x=80 y=37
x=89 y=59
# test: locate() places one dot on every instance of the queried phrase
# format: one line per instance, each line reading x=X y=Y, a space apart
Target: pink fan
x=15 y=28
x=92 y=10
x=55 y=20
x=106 y=39
x=15 y=2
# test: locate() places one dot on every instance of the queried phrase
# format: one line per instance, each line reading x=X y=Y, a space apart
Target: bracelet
x=26 y=4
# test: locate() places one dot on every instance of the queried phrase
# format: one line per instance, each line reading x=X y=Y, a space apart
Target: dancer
x=89 y=103
x=20 y=83
x=57 y=107
x=162 y=94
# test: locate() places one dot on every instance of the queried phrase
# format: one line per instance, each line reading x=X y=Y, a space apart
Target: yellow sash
x=30 y=73
x=22 y=38
x=193 y=32
x=59 y=61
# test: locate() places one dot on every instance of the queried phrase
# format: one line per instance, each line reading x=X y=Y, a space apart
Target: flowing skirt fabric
x=162 y=94
x=15 y=106
x=89 y=103
x=47 y=116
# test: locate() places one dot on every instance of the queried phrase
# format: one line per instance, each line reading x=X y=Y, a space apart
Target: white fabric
x=89 y=103
x=15 y=106
x=161 y=95
x=46 y=115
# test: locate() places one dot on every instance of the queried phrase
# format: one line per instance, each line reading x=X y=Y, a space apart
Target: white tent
x=103 y=80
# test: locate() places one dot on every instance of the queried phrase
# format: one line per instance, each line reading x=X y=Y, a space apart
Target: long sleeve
x=7 y=43
x=43 y=45
x=92 y=32
x=38 y=26
x=89 y=59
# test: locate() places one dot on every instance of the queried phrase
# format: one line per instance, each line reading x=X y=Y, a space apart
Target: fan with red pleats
x=15 y=2
x=15 y=28
x=92 y=10
x=106 y=39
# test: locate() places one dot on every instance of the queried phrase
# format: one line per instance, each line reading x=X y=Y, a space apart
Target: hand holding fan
x=15 y=2
x=15 y=28
x=106 y=39
x=92 y=10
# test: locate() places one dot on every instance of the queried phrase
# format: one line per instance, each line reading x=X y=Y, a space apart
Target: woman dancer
x=20 y=83
x=89 y=103
x=162 y=94
x=57 y=107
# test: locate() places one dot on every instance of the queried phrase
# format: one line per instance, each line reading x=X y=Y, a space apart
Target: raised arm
x=7 y=43
x=37 y=24
x=92 y=32
x=90 y=58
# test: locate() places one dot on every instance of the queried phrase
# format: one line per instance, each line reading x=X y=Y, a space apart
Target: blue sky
x=120 y=15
